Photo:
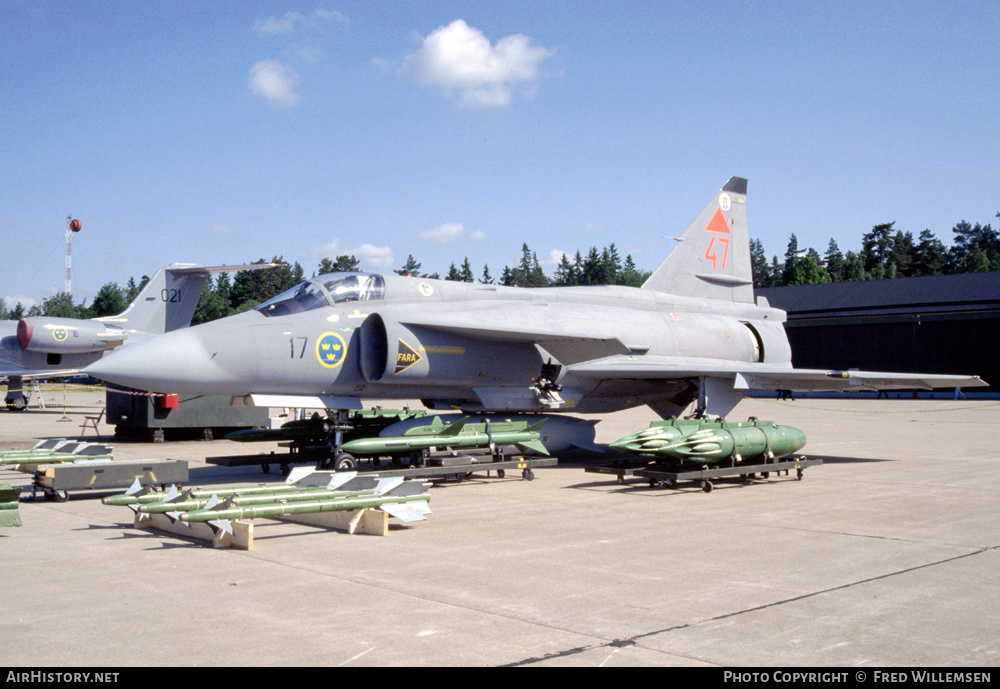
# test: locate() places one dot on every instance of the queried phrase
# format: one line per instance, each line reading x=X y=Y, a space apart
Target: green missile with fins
x=405 y=500
x=275 y=509
x=460 y=434
x=244 y=499
x=363 y=421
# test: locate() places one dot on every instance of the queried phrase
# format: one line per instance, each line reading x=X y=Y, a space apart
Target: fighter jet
x=48 y=347
x=693 y=333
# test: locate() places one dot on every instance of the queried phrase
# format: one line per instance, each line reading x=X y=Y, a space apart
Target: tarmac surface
x=886 y=555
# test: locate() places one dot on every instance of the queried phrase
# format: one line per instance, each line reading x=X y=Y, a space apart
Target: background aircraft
x=692 y=333
x=48 y=347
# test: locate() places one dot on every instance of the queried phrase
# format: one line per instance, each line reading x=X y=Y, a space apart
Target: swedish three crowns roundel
x=330 y=350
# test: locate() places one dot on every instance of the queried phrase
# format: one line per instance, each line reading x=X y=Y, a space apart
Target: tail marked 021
x=712 y=259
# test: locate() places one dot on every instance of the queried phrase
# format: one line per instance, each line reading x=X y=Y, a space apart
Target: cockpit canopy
x=325 y=290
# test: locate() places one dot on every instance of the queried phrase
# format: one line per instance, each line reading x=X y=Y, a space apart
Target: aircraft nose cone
x=177 y=362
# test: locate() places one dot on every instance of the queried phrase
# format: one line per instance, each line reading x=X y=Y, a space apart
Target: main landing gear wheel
x=344 y=462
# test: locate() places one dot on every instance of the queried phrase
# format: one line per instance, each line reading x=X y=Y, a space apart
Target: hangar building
x=930 y=324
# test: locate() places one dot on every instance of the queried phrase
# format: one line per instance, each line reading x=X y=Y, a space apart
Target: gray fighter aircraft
x=692 y=333
x=48 y=347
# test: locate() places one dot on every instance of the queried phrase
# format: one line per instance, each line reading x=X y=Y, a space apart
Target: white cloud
x=294 y=21
x=478 y=236
x=222 y=229
x=556 y=256
x=325 y=251
x=461 y=60
x=276 y=25
x=382 y=65
x=442 y=234
x=374 y=257
x=13 y=300
x=331 y=16
x=371 y=257
x=275 y=81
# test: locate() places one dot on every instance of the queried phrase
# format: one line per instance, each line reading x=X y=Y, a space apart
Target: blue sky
x=223 y=132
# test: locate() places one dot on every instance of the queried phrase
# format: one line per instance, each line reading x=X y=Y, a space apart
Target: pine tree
x=834 y=261
x=342 y=264
x=876 y=249
x=632 y=276
x=611 y=265
x=410 y=267
x=466 y=273
x=565 y=275
x=930 y=255
x=901 y=254
x=792 y=259
x=758 y=263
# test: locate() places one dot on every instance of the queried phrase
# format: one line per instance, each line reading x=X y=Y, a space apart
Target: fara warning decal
x=406 y=356
x=330 y=350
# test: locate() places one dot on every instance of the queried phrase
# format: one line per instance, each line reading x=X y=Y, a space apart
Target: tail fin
x=712 y=259
x=455 y=428
x=168 y=300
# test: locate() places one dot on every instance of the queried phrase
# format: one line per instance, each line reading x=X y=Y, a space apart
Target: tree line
x=885 y=252
x=228 y=294
x=598 y=267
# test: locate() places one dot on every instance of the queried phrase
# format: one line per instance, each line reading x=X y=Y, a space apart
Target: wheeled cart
x=55 y=480
x=442 y=465
x=669 y=478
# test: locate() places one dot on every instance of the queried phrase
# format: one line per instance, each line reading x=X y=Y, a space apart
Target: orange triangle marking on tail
x=718 y=223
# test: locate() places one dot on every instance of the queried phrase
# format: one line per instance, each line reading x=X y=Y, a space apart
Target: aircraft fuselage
x=478 y=347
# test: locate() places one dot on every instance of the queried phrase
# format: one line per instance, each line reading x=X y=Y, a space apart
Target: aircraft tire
x=17 y=404
x=344 y=462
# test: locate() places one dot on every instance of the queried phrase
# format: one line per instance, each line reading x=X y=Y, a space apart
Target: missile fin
x=299 y=473
x=537 y=428
x=408 y=511
x=339 y=478
x=455 y=428
x=387 y=485
x=535 y=445
x=222 y=525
